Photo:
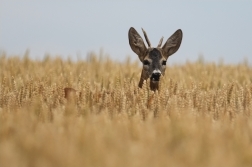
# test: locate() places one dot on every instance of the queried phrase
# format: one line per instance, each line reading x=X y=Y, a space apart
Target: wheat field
x=201 y=116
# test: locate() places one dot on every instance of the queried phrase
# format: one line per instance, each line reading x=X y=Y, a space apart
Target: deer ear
x=137 y=43
x=172 y=44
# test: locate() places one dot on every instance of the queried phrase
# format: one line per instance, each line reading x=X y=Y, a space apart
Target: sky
x=216 y=30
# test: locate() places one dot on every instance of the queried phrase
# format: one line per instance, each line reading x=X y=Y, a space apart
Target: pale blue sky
x=214 y=29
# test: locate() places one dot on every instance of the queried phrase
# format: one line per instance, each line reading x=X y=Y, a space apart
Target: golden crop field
x=201 y=116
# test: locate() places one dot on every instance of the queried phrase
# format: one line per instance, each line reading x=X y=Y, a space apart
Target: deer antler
x=160 y=42
x=146 y=38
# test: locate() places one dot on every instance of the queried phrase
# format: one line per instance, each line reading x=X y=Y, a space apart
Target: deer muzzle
x=155 y=76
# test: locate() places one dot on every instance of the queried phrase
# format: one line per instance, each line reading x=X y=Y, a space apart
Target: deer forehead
x=154 y=54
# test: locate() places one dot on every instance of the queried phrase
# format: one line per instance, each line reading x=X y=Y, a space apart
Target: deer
x=153 y=58
x=70 y=93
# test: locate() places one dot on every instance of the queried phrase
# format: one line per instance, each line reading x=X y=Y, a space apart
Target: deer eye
x=146 y=62
x=164 y=63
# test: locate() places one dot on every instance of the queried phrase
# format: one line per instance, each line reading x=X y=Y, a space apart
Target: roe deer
x=153 y=58
x=70 y=93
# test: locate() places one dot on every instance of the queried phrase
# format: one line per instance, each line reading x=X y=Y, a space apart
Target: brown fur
x=155 y=60
x=70 y=93
x=155 y=57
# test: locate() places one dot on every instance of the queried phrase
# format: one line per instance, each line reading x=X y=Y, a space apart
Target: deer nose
x=156 y=75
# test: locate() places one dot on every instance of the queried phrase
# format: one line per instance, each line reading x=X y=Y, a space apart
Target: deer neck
x=153 y=85
x=140 y=84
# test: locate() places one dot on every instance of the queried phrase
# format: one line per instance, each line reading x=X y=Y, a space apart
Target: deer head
x=153 y=58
